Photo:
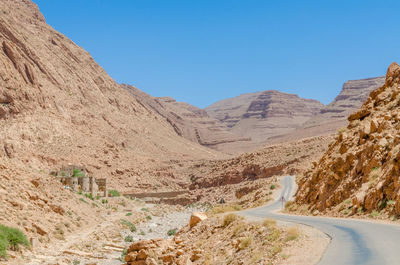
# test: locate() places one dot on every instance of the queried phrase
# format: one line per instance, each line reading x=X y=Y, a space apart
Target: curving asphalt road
x=354 y=242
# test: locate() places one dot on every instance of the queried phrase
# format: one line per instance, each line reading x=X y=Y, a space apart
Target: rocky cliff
x=360 y=170
x=187 y=121
x=264 y=114
x=353 y=94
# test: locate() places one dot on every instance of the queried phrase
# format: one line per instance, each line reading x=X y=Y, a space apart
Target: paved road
x=354 y=242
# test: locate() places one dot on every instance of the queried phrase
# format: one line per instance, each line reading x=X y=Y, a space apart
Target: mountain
x=187 y=121
x=264 y=114
x=334 y=116
x=353 y=94
x=59 y=107
x=359 y=172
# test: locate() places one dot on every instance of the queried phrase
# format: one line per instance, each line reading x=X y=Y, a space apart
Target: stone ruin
x=77 y=179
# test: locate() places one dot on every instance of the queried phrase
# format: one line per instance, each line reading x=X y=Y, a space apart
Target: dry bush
x=238 y=229
x=245 y=242
x=269 y=223
x=225 y=208
x=274 y=235
x=290 y=206
x=277 y=248
x=374 y=175
x=229 y=218
x=292 y=234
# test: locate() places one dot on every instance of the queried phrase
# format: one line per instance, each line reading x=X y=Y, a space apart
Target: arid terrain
x=175 y=173
x=358 y=175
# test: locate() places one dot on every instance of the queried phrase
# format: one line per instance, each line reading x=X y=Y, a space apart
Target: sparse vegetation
x=129 y=225
x=123 y=254
x=290 y=206
x=11 y=238
x=274 y=235
x=226 y=208
x=272 y=187
x=148 y=217
x=229 y=218
x=128 y=238
x=171 y=232
x=144 y=209
x=269 y=223
x=374 y=214
x=245 y=243
x=276 y=249
x=128 y=214
x=89 y=196
x=292 y=234
x=114 y=193
x=78 y=173
x=375 y=173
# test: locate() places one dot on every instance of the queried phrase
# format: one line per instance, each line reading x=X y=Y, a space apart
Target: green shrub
x=78 y=173
x=3 y=246
x=171 y=232
x=272 y=187
x=104 y=201
x=128 y=224
x=123 y=254
x=128 y=214
x=114 y=193
x=89 y=196
x=145 y=209
x=128 y=238
x=148 y=217
x=11 y=238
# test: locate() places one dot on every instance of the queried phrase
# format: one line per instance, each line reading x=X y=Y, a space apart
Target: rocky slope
x=264 y=114
x=58 y=107
x=359 y=172
x=188 y=121
x=230 y=240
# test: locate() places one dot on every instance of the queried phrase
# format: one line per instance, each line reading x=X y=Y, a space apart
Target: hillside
x=59 y=107
x=264 y=114
x=187 y=121
x=359 y=172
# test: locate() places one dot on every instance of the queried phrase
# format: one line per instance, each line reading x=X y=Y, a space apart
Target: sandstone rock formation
x=187 y=121
x=361 y=165
x=353 y=94
x=264 y=114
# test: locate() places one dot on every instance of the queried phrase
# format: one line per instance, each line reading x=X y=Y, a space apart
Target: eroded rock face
x=188 y=121
x=264 y=114
x=353 y=94
x=362 y=162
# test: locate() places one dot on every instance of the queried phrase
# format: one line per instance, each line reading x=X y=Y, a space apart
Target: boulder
x=196 y=218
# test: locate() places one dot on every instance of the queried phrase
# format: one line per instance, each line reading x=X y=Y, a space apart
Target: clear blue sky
x=202 y=51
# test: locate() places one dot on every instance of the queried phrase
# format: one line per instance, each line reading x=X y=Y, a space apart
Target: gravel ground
x=158 y=226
